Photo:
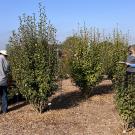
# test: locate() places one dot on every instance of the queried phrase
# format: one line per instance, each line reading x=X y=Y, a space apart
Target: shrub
x=125 y=97
x=93 y=58
x=86 y=68
x=33 y=57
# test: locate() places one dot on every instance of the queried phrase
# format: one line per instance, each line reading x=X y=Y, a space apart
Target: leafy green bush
x=125 y=97
x=91 y=57
x=33 y=57
x=86 y=68
x=67 y=51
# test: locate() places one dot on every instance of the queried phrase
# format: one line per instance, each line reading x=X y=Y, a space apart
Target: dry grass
x=70 y=114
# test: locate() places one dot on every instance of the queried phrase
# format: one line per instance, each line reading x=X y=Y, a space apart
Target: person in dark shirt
x=130 y=63
x=131 y=60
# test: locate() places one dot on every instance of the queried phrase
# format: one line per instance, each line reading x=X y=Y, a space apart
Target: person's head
x=3 y=52
x=131 y=50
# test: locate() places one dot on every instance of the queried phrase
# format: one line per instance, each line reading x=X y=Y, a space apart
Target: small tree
x=33 y=57
x=93 y=56
x=86 y=68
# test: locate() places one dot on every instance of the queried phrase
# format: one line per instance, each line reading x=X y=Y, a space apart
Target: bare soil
x=69 y=114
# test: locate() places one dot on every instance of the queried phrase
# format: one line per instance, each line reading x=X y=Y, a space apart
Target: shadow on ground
x=72 y=99
x=102 y=89
x=17 y=106
x=66 y=100
x=16 y=102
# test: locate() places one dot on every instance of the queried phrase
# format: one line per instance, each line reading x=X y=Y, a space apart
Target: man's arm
x=131 y=65
x=5 y=66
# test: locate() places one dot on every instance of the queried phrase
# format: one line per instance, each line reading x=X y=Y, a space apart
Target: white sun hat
x=4 y=52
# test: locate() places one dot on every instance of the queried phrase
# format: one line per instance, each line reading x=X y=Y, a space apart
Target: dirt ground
x=69 y=114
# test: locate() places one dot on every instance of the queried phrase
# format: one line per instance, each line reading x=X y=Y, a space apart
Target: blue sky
x=66 y=14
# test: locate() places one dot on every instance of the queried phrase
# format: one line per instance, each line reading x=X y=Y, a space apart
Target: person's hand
x=122 y=62
x=127 y=63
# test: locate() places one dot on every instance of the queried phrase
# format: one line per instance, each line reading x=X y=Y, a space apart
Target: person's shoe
x=4 y=112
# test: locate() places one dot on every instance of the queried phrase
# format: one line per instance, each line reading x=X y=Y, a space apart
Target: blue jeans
x=3 y=93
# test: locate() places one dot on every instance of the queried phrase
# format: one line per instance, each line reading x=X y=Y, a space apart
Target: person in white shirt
x=4 y=70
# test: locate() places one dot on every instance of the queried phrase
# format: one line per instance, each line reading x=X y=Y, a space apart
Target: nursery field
x=87 y=106
x=82 y=85
x=69 y=114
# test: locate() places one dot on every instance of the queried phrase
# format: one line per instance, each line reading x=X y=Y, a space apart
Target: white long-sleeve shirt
x=4 y=69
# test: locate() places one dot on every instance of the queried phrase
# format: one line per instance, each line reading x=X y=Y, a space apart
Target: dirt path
x=70 y=114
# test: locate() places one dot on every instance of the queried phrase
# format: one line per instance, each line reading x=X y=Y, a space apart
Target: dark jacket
x=131 y=60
